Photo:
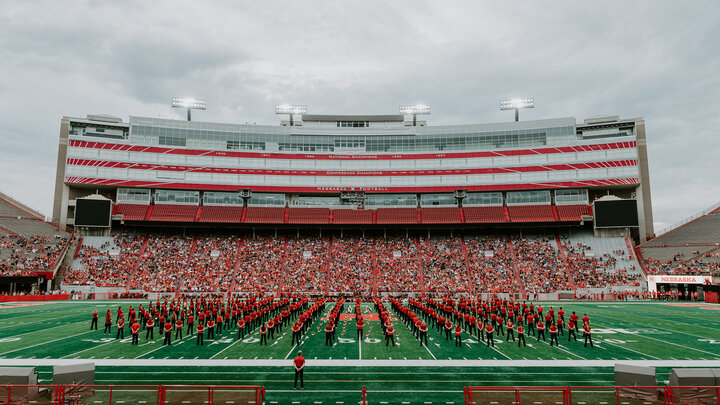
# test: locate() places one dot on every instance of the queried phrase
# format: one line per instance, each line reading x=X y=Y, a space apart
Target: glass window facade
x=177 y=197
x=267 y=199
x=535 y=197
x=571 y=196
x=391 y=200
x=483 y=199
x=133 y=196
x=438 y=199
x=316 y=201
x=222 y=198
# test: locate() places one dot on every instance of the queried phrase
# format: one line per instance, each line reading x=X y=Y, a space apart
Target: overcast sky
x=659 y=60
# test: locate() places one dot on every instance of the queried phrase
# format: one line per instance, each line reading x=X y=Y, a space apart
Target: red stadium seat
x=531 y=213
x=441 y=215
x=572 y=212
x=264 y=215
x=343 y=216
x=397 y=216
x=132 y=212
x=484 y=215
x=308 y=215
x=220 y=214
x=173 y=213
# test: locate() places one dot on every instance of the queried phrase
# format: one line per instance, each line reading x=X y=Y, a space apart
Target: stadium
x=403 y=259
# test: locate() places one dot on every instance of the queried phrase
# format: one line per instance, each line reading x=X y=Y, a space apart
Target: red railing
x=132 y=394
x=606 y=395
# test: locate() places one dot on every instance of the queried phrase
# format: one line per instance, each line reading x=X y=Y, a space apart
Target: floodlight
x=415 y=110
x=516 y=104
x=290 y=109
x=188 y=103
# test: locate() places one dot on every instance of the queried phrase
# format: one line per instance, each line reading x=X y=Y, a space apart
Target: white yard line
x=43 y=343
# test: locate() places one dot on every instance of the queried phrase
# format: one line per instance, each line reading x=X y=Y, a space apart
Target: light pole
x=415 y=110
x=188 y=103
x=291 y=110
x=516 y=104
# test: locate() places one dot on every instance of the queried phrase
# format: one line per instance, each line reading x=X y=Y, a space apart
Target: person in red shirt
x=585 y=319
x=200 y=332
x=561 y=314
x=149 y=328
x=389 y=334
x=489 y=334
x=359 y=324
x=541 y=331
x=423 y=329
x=178 y=328
x=448 y=329
x=521 y=335
x=458 y=336
x=108 y=322
x=168 y=331
x=121 y=328
x=329 y=333
x=299 y=364
x=263 y=334
x=510 y=327
x=135 y=332
x=94 y=323
x=296 y=328
x=587 y=334
x=571 y=330
x=553 y=334
x=241 y=328
x=480 y=329
x=191 y=324
x=210 y=328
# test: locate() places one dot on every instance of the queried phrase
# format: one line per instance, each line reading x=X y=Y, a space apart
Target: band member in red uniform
x=108 y=322
x=521 y=335
x=510 y=331
x=299 y=364
x=210 y=327
x=458 y=336
x=263 y=334
x=553 y=334
x=168 y=331
x=121 y=328
x=200 y=332
x=587 y=334
x=149 y=329
x=571 y=330
x=296 y=333
x=360 y=324
x=135 y=332
x=241 y=328
x=178 y=328
x=389 y=334
x=489 y=334
x=191 y=324
x=94 y=323
x=329 y=328
x=448 y=329
x=423 y=333
x=541 y=331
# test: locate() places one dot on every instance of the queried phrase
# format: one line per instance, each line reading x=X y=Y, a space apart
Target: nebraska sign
x=672 y=279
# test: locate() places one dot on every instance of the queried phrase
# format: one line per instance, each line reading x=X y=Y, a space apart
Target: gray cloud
x=654 y=59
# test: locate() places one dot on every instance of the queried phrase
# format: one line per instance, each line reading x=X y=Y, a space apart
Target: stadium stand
x=531 y=213
x=445 y=215
x=346 y=216
x=220 y=214
x=484 y=215
x=265 y=215
x=172 y=213
x=573 y=213
x=397 y=216
x=308 y=215
x=131 y=212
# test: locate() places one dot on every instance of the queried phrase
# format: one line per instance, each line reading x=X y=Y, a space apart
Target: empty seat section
x=441 y=215
x=173 y=213
x=484 y=215
x=220 y=214
x=309 y=215
x=265 y=215
x=132 y=212
x=531 y=213
x=572 y=212
x=397 y=215
x=352 y=216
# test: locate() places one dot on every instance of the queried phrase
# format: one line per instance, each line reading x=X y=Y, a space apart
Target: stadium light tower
x=415 y=110
x=516 y=104
x=291 y=110
x=188 y=103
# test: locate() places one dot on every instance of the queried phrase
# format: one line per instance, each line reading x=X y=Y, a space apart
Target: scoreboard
x=91 y=212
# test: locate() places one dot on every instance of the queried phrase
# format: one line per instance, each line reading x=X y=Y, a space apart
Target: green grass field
x=665 y=335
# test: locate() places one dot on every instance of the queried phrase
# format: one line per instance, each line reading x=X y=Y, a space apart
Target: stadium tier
x=352 y=264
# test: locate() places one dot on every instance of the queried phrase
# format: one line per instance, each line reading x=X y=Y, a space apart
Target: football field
x=665 y=335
